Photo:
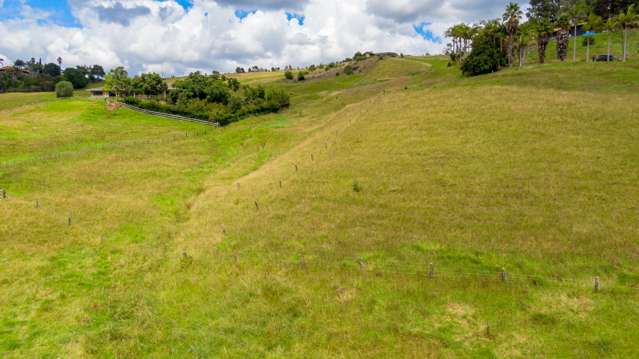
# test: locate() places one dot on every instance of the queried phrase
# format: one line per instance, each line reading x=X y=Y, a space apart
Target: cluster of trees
x=35 y=75
x=503 y=42
x=241 y=70
x=211 y=97
x=117 y=81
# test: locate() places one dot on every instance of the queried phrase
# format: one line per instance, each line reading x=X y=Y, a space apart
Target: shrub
x=487 y=54
x=348 y=70
x=288 y=75
x=357 y=187
x=301 y=76
x=64 y=89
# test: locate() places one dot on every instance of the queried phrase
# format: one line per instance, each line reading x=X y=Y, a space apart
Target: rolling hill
x=401 y=212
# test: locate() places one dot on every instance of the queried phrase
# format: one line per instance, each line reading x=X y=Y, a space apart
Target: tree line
x=32 y=75
x=213 y=97
x=494 y=44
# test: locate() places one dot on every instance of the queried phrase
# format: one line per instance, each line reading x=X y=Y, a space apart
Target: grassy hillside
x=310 y=233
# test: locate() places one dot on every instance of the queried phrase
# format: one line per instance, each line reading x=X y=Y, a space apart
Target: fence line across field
x=168 y=115
x=428 y=271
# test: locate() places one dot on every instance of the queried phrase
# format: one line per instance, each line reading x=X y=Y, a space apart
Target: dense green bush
x=487 y=54
x=301 y=76
x=76 y=77
x=289 y=75
x=64 y=89
x=202 y=99
x=348 y=70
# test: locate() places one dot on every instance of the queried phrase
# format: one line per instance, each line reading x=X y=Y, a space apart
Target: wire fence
x=168 y=115
x=430 y=271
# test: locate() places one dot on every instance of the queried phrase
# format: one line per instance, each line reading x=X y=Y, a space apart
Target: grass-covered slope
x=310 y=233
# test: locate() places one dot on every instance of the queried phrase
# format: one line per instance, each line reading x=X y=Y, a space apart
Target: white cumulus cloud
x=162 y=36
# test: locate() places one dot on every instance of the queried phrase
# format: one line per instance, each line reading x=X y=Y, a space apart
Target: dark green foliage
x=19 y=82
x=52 y=70
x=487 y=54
x=215 y=98
x=301 y=76
x=588 y=40
x=76 y=77
x=234 y=84
x=348 y=70
x=543 y=14
x=64 y=89
x=289 y=75
x=150 y=84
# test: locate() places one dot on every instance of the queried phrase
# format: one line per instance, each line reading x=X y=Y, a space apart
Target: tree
x=239 y=70
x=59 y=61
x=289 y=75
x=117 y=81
x=563 y=25
x=594 y=24
x=96 y=73
x=76 y=77
x=576 y=11
x=611 y=25
x=511 y=19
x=487 y=54
x=524 y=36
x=627 y=20
x=543 y=14
x=51 y=69
x=153 y=84
x=461 y=35
x=19 y=63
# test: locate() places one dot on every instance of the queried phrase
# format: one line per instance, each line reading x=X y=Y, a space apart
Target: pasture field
x=373 y=218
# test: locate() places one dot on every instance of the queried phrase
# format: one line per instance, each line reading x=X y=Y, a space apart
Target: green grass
x=189 y=246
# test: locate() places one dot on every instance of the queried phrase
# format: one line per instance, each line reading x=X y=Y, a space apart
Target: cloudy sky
x=179 y=36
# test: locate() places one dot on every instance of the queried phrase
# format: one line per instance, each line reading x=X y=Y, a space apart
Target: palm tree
x=576 y=13
x=524 y=35
x=610 y=26
x=511 y=18
x=627 y=20
x=594 y=23
x=562 y=37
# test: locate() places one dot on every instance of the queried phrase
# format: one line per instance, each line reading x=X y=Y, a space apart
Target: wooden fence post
x=503 y=275
x=597 y=284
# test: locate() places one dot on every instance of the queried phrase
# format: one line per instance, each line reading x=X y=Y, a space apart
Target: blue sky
x=178 y=36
